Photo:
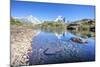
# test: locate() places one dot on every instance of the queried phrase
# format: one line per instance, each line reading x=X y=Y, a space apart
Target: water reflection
x=56 y=46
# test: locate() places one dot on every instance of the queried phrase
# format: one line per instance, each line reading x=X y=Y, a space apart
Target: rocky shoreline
x=21 y=39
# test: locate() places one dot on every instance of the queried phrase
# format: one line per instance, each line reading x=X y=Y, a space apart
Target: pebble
x=20 y=44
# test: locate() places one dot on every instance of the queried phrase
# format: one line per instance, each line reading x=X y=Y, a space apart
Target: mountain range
x=28 y=19
x=34 y=20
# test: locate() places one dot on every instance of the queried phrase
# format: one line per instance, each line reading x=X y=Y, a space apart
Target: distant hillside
x=83 y=21
x=84 y=24
x=15 y=22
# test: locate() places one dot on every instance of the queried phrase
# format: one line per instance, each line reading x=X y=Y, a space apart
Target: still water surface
x=54 y=47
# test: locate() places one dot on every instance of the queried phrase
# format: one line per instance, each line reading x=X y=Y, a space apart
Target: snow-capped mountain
x=28 y=19
x=60 y=18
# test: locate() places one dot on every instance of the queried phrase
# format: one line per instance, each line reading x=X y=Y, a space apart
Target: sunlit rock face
x=60 y=19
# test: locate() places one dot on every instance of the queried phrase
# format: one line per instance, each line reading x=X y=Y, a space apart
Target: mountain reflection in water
x=51 y=47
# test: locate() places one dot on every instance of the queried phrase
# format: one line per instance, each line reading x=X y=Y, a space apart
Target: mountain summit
x=60 y=18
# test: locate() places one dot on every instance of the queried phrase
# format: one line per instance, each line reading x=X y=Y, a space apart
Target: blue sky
x=48 y=11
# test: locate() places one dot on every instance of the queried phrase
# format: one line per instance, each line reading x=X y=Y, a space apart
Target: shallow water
x=50 y=47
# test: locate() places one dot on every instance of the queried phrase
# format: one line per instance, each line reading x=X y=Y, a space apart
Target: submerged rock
x=51 y=51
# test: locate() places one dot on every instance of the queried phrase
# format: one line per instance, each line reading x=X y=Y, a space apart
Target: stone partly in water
x=78 y=40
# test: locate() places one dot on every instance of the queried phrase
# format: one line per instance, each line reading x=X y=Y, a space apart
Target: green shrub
x=15 y=22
